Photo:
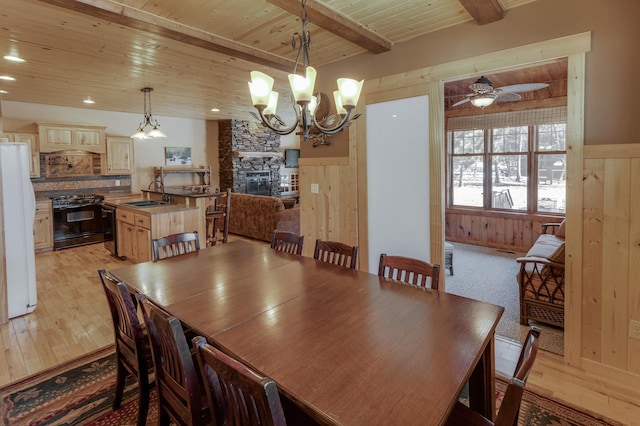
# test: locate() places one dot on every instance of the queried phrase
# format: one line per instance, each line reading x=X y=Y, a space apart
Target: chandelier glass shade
x=265 y=99
x=149 y=128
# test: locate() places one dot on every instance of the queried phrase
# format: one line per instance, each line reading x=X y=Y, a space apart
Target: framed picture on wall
x=177 y=156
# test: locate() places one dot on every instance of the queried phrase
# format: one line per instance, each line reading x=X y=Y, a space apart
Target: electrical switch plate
x=117 y=182
x=314 y=188
x=634 y=329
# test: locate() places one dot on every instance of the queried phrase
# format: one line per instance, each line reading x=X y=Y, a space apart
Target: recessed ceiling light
x=215 y=109
x=89 y=100
x=7 y=78
x=14 y=58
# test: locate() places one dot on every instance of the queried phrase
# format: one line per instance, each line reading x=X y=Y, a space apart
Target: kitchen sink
x=146 y=203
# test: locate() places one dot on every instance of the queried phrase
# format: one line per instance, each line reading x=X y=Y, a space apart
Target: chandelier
x=305 y=104
x=148 y=121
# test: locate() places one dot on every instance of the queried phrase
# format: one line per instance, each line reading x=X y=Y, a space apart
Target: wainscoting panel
x=611 y=255
x=495 y=229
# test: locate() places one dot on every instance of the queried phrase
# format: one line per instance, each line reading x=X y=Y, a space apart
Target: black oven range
x=77 y=220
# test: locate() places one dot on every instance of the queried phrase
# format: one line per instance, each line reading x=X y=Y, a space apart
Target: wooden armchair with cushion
x=541 y=278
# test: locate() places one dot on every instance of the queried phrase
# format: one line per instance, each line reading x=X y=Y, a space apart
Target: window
x=508 y=167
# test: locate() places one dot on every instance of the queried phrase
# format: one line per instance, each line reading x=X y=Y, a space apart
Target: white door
x=398 y=179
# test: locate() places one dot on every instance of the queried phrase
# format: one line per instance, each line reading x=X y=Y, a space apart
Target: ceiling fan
x=484 y=94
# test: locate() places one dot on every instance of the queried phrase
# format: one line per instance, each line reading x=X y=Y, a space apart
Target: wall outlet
x=634 y=329
x=314 y=188
x=117 y=182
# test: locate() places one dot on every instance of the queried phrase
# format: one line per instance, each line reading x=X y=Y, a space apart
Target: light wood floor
x=72 y=319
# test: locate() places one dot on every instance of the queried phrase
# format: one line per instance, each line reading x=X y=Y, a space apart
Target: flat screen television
x=291 y=158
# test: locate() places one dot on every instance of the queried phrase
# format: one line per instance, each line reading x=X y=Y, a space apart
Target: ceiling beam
x=483 y=11
x=337 y=23
x=134 y=18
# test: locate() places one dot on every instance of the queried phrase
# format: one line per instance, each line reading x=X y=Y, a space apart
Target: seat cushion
x=544 y=246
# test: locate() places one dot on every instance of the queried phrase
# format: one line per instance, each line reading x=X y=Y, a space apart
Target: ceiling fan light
x=483 y=100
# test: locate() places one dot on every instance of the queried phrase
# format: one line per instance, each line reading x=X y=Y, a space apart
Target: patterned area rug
x=77 y=392
x=80 y=392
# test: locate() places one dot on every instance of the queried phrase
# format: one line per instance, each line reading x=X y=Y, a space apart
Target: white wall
x=200 y=135
x=398 y=179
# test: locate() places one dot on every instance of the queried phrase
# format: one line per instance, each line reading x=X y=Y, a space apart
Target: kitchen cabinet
x=61 y=137
x=119 y=158
x=134 y=235
x=43 y=226
x=32 y=140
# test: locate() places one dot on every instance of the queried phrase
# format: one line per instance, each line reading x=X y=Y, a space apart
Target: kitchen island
x=194 y=199
x=138 y=225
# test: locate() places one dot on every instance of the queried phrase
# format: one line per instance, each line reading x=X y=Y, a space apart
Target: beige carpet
x=489 y=275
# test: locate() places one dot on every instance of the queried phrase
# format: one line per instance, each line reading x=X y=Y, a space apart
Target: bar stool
x=217 y=218
x=448 y=257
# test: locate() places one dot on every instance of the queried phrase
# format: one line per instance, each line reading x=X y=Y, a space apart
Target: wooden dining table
x=345 y=346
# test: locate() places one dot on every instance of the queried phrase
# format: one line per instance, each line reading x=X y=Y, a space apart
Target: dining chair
x=510 y=406
x=175 y=244
x=133 y=352
x=217 y=219
x=337 y=253
x=288 y=242
x=409 y=270
x=236 y=394
x=180 y=397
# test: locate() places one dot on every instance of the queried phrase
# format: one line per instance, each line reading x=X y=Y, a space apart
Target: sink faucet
x=165 y=196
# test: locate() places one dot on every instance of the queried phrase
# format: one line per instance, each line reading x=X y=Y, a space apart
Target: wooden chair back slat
x=175 y=245
x=408 y=270
x=337 y=253
x=237 y=395
x=287 y=242
x=177 y=380
x=510 y=406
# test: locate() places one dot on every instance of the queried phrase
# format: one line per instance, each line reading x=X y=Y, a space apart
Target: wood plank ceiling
x=197 y=54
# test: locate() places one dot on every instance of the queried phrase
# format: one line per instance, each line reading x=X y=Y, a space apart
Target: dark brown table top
x=347 y=346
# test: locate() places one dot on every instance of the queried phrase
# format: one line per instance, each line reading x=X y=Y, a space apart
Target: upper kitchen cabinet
x=32 y=140
x=119 y=158
x=62 y=137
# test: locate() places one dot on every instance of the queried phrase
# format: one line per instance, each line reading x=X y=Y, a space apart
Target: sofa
x=257 y=216
x=541 y=278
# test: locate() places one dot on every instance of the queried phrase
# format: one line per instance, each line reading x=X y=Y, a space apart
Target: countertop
x=181 y=192
x=165 y=208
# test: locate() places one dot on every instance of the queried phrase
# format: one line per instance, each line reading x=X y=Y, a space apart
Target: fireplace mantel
x=256 y=154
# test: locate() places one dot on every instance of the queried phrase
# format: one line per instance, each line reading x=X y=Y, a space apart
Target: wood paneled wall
x=330 y=214
x=495 y=229
x=611 y=255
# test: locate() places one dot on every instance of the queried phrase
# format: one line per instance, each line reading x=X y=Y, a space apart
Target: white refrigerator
x=17 y=210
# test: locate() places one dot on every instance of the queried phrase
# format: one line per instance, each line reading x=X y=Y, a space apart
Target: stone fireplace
x=250 y=158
